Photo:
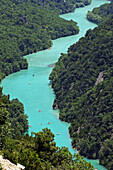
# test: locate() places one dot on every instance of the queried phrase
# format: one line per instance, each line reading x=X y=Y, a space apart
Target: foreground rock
x=7 y=165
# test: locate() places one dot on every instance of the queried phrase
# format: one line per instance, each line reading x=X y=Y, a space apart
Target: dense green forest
x=38 y=151
x=99 y=14
x=83 y=84
x=28 y=26
x=13 y=121
x=63 y=6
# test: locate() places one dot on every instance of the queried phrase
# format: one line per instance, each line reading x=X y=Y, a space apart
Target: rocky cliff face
x=7 y=165
x=99 y=79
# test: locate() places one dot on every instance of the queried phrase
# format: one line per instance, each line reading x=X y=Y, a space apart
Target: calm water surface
x=34 y=92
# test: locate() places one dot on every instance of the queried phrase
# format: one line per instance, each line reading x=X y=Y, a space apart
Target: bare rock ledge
x=7 y=165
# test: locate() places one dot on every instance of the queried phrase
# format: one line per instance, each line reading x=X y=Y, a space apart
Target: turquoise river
x=34 y=92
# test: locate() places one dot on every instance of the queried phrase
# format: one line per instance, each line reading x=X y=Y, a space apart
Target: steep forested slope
x=13 y=121
x=99 y=14
x=63 y=6
x=27 y=27
x=81 y=99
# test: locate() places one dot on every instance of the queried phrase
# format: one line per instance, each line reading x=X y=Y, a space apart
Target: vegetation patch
x=99 y=14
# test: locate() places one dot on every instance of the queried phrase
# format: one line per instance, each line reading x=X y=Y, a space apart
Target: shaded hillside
x=27 y=27
x=82 y=81
x=99 y=14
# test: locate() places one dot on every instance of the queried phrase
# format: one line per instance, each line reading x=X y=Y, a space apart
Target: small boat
x=57 y=133
x=51 y=65
x=39 y=110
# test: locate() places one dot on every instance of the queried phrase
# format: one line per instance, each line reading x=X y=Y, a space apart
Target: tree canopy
x=13 y=121
x=41 y=152
x=98 y=14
